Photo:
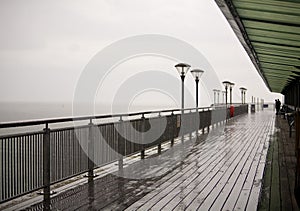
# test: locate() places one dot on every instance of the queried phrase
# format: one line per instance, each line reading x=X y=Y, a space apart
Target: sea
x=30 y=111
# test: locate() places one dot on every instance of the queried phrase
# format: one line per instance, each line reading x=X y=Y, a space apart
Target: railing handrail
x=88 y=117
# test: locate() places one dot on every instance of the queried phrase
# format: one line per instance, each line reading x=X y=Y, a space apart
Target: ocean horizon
x=25 y=111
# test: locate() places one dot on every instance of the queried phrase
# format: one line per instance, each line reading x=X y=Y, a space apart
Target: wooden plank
x=275 y=203
x=256 y=187
x=284 y=181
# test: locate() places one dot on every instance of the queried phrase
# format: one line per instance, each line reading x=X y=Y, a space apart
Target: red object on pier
x=231 y=111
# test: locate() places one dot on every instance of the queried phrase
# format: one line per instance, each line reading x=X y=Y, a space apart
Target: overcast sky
x=45 y=45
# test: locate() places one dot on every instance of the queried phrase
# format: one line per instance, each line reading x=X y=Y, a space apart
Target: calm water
x=22 y=111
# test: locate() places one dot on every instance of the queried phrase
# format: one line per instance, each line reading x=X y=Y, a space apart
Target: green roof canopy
x=269 y=30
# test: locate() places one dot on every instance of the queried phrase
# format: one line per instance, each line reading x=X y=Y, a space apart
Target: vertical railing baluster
x=74 y=152
x=4 y=169
x=40 y=161
x=1 y=170
x=63 y=154
x=56 y=152
x=60 y=153
x=27 y=167
x=34 y=159
x=19 y=165
x=31 y=163
x=72 y=158
x=37 y=157
x=22 y=165
x=12 y=165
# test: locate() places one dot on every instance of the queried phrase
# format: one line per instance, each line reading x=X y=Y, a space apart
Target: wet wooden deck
x=221 y=171
x=225 y=172
x=279 y=179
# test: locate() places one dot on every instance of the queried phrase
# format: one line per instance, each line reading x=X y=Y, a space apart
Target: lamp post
x=197 y=73
x=223 y=96
x=182 y=69
x=226 y=84
x=215 y=97
x=218 y=92
x=243 y=94
x=230 y=89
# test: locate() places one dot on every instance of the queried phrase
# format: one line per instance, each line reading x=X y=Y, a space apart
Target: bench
x=291 y=121
x=283 y=111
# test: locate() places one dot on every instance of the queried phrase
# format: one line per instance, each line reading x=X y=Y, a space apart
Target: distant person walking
x=277 y=106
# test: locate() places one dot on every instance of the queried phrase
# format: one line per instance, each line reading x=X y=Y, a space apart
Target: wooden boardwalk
x=224 y=173
x=279 y=179
x=221 y=171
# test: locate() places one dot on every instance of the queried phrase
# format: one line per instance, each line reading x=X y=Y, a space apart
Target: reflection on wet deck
x=221 y=170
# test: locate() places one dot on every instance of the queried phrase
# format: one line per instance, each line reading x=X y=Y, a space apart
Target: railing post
x=182 y=126
x=159 y=148
x=203 y=121
x=143 y=136
x=121 y=146
x=174 y=125
x=159 y=144
x=46 y=167
x=209 y=120
x=143 y=154
x=91 y=141
x=190 y=124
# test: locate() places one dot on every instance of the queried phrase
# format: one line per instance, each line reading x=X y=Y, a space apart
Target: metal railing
x=36 y=160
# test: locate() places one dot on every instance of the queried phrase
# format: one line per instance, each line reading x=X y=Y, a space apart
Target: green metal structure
x=269 y=30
